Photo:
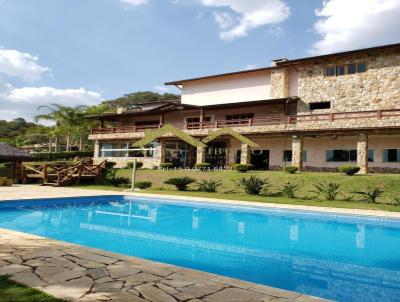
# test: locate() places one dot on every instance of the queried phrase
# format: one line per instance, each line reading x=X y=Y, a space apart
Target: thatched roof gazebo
x=10 y=154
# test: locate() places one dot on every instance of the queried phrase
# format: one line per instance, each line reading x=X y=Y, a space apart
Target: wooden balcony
x=342 y=120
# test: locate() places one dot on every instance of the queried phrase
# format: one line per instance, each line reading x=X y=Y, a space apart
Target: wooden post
x=201 y=119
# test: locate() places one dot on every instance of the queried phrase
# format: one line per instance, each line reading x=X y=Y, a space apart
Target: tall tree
x=136 y=99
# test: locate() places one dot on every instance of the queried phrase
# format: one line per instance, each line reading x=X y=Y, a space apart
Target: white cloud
x=135 y=2
x=23 y=102
x=345 y=24
x=251 y=66
x=245 y=15
x=161 y=89
x=14 y=63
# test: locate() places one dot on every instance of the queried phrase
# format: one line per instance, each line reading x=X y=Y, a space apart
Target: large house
x=317 y=113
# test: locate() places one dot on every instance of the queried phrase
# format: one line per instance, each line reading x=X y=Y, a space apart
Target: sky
x=80 y=52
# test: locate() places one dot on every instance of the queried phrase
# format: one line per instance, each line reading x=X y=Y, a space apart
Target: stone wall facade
x=377 y=88
x=279 y=83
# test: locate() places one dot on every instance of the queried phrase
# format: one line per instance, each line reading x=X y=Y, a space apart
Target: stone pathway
x=77 y=273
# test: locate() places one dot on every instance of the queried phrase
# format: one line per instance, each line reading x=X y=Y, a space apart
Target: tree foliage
x=136 y=99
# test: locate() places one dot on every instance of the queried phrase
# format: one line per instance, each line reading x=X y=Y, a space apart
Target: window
x=351 y=68
x=361 y=67
x=341 y=155
x=346 y=155
x=391 y=155
x=241 y=116
x=330 y=71
x=287 y=155
x=371 y=155
x=320 y=105
x=340 y=70
x=197 y=119
x=147 y=123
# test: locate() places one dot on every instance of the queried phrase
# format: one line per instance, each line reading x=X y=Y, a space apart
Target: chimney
x=276 y=62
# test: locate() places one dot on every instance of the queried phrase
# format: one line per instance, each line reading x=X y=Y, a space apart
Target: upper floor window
x=147 y=123
x=241 y=116
x=191 y=120
x=339 y=70
x=320 y=105
x=330 y=71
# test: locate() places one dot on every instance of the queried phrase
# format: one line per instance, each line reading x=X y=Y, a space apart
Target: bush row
x=254 y=185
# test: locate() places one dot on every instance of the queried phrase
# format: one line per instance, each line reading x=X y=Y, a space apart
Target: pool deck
x=77 y=273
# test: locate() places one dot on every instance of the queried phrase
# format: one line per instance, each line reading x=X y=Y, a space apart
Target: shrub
x=166 y=165
x=370 y=195
x=253 y=185
x=203 y=166
x=143 y=185
x=291 y=169
x=46 y=156
x=112 y=179
x=129 y=164
x=181 y=183
x=243 y=167
x=289 y=190
x=110 y=164
x=209 y=185
x=349 y=170
x=329 y=190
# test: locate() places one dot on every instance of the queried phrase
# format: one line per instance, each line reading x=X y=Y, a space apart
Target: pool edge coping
x=57 y=245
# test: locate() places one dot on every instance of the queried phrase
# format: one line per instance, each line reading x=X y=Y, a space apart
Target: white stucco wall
x=252 y=86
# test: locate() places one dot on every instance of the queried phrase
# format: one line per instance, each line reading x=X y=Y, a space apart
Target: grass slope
x=389 y=183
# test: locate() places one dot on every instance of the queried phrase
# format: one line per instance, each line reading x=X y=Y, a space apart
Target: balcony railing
x=262 y=121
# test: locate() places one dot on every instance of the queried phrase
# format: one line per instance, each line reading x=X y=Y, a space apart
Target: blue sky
x=82 y=51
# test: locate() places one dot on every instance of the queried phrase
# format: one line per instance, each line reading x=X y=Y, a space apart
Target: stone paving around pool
x=77 y=273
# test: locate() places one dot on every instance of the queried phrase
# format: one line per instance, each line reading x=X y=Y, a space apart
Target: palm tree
x=67 y=119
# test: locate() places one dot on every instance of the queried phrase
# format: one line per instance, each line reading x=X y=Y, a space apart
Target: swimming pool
x=346 y=258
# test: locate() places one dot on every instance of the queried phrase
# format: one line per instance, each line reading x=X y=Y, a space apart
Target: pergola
x=10 y=154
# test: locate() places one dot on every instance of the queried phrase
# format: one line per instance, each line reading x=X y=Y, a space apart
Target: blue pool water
x=345 y=258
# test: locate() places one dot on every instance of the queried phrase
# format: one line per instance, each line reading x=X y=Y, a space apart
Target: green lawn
x=14 y=292
x=389 y=183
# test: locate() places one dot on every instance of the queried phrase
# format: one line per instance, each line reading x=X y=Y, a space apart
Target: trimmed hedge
x=349 y=170
x=243 y=167
x=129 y=164
x=291 y=169
x=46 y=156
x=143 y=185
x=166 y=165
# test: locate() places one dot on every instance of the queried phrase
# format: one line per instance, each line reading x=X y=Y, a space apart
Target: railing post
x=250 y=122
x=216 y=124
x=379 y=114
x=289 y=119
x=331 y=117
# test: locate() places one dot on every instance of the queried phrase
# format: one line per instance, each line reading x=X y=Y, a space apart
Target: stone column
x=245 y=157
x=201 y=155
x=161 y=151
x=297 y=152
x=96 y=149
x=362 y=153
